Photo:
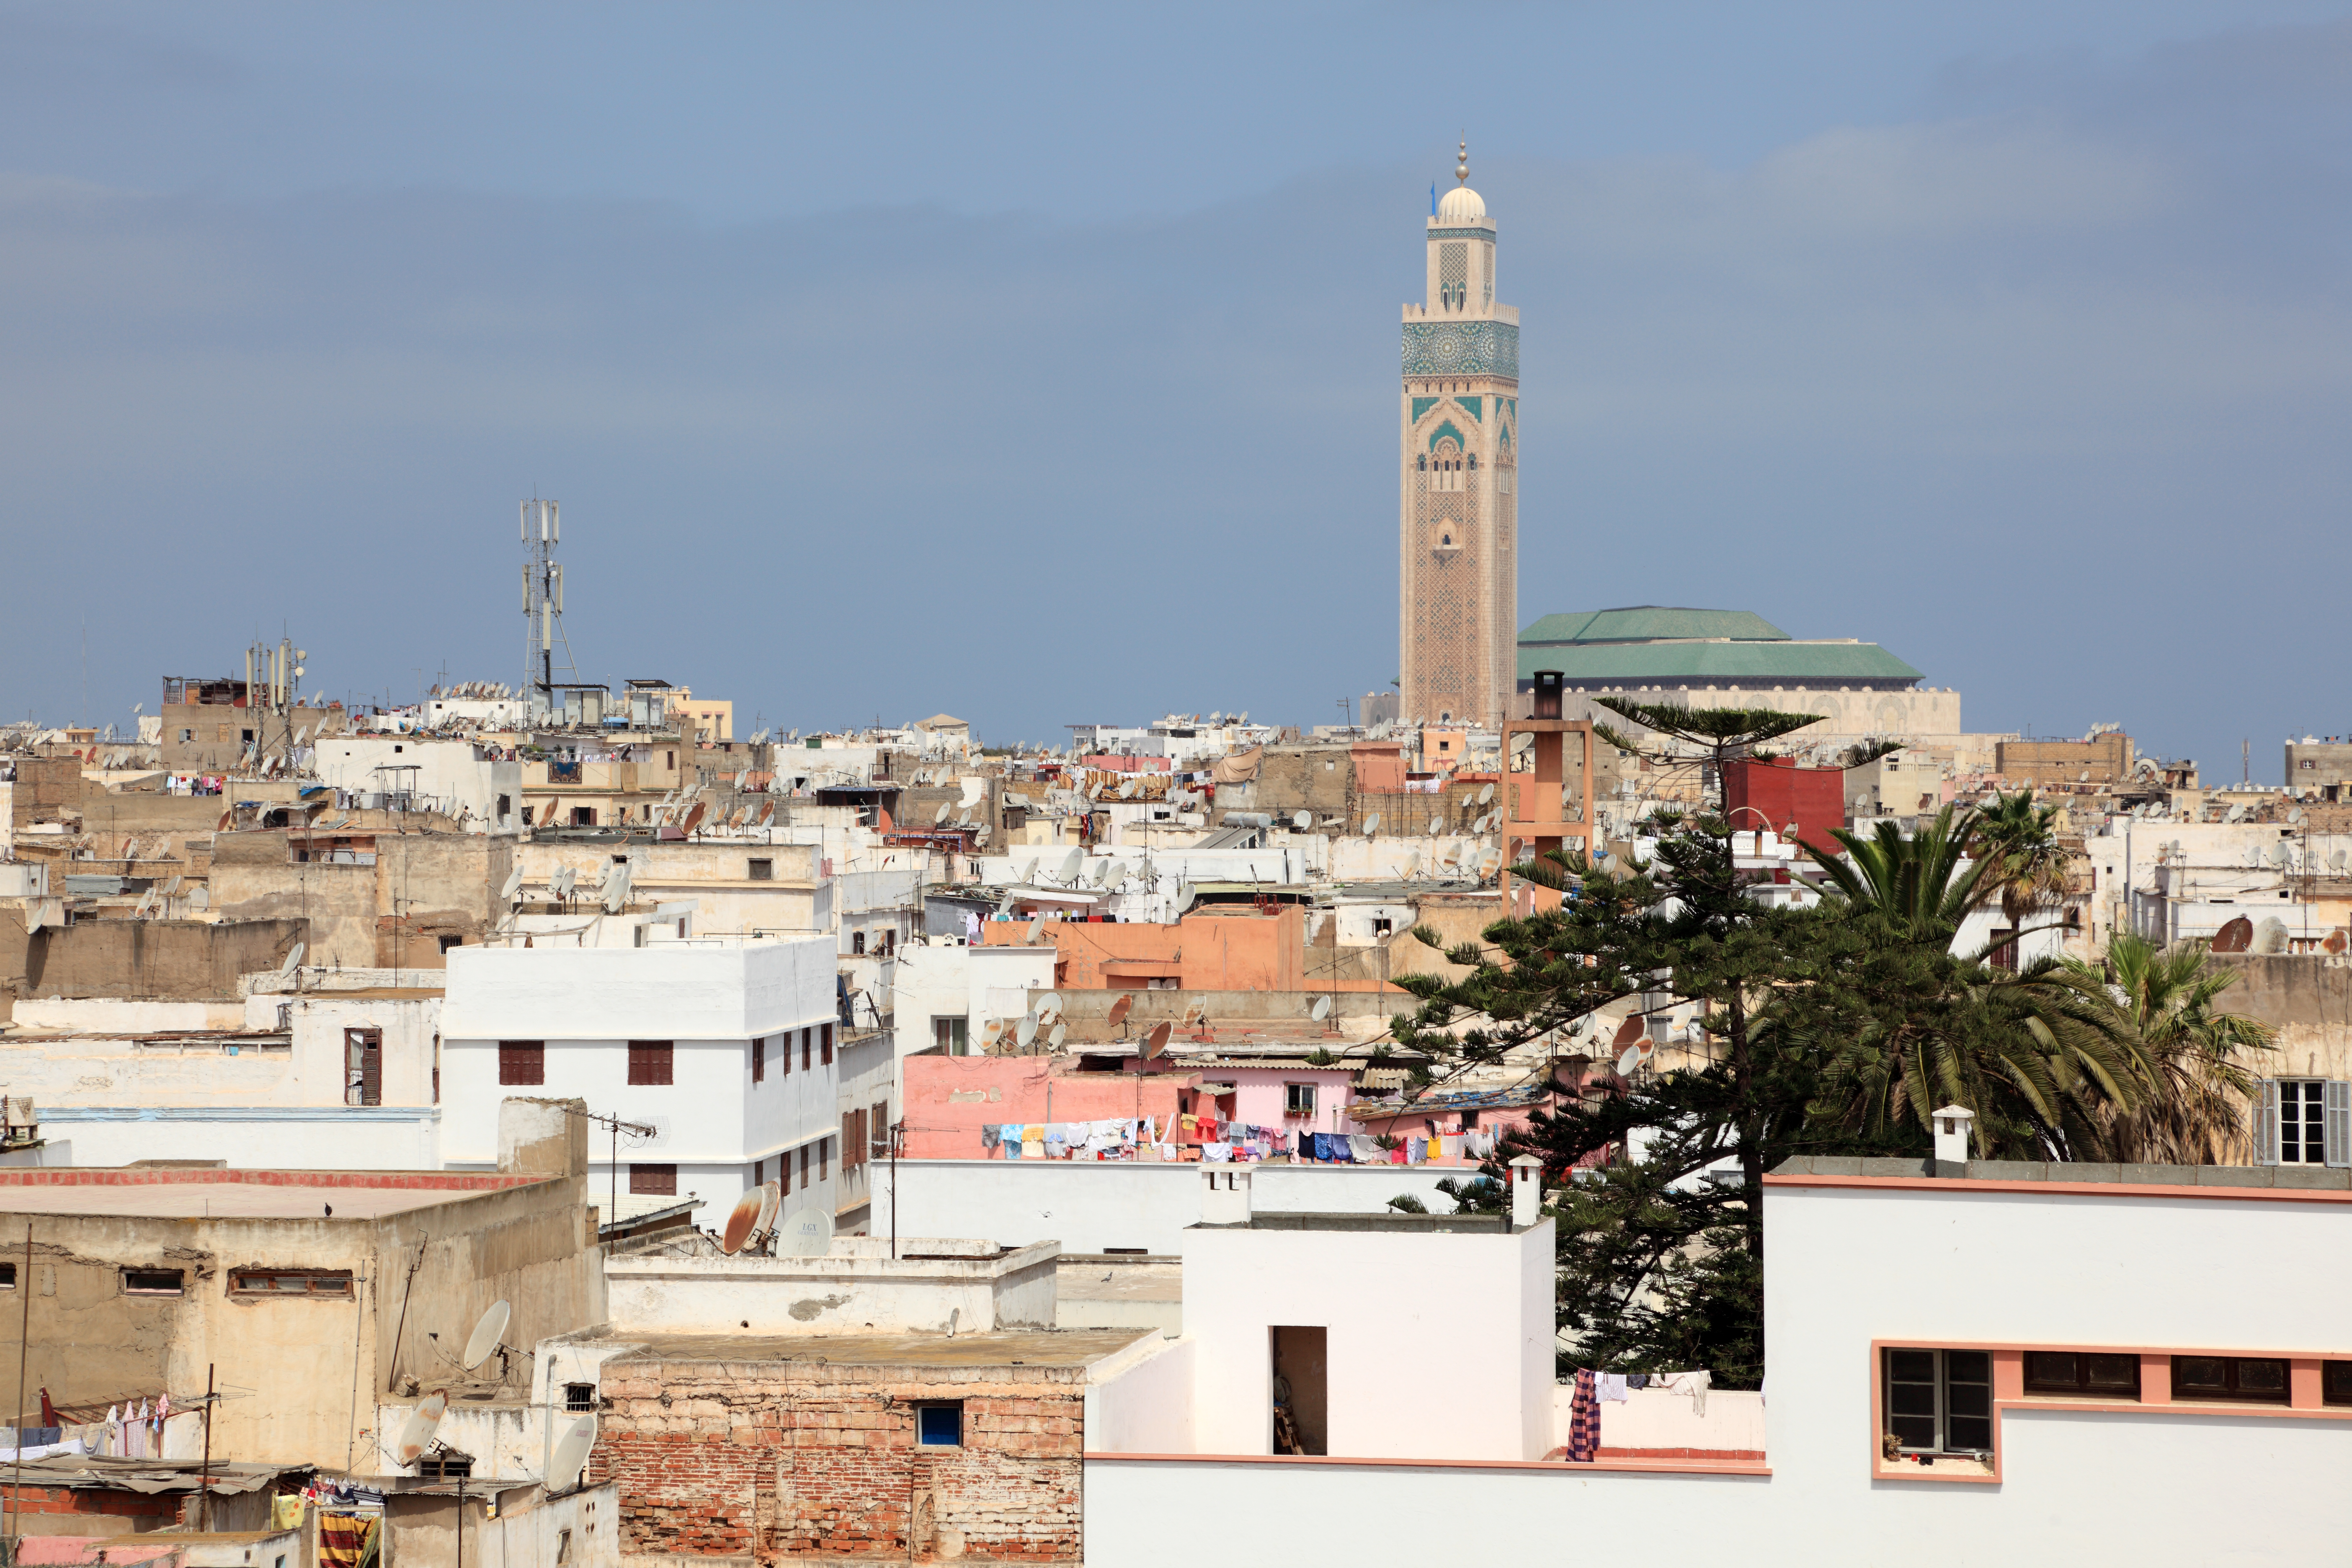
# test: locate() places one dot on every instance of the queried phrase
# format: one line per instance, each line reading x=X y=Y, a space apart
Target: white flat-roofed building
x=724 y=1046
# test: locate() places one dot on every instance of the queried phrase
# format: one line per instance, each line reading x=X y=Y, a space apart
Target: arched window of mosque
x=1474 y=462
x=1421 y=463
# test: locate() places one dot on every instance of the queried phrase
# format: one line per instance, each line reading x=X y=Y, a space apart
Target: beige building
x=1458 y=414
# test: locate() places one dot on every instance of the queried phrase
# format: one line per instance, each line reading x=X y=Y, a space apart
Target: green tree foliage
x=2196 y=1051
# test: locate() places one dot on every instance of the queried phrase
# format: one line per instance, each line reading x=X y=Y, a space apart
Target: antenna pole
x=897 y=1135
x=24 y=1346
x=205 y=1476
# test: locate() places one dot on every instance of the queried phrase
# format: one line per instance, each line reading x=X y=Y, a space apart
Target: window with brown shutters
x=827 y=1056
x=654 y=1181
x=785 y=1172
x=760 y=1060
x=649 y=1061
x=363 y=1067
x=823 y=1150
x=2252 y=1380
x=878 y=1130
x=808 y=1043
x=523 y=1061
x=805 y=1165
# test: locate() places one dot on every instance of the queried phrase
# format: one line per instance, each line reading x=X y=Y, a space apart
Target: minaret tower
x=1458 y=417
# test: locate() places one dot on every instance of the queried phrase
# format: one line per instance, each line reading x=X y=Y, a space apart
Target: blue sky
x=1037 y=364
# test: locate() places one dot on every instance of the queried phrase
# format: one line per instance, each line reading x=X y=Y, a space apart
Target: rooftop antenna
x=542 y=604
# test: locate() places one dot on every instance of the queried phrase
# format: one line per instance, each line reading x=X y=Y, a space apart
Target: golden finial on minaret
x=1461 y=168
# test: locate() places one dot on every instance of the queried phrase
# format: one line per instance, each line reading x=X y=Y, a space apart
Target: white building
x=943 y=993
x=2064 y=1347
x=724 y=1047
x=449 y=776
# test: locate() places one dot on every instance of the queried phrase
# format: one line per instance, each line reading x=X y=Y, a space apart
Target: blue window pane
x=939 y=1425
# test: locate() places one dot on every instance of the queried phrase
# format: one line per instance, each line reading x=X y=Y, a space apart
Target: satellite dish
x=1486 y=795
x=1119 y=1009
x=1184 y=895
x=1434 y=825
x=1412 y=864
x=1048 y=1002
x=1061 y=1031
x=1301 y=821
x=1026 y=1032
x=1157 y=1041
x=570 y=1454
x=1028 y=873
x=2335 y=862
x=1628 y=1059
x=990 y=1032
x=808 y=1234
x=743 y=1220
x=1371 y=825
x=1037 y=927
x=942 y=815
x=416 y=1432
x=772 y=1199
x=487 y=1335
x=2235 y=936
x=513 y=886
x=293 y=960
x=1070 y=864
x=1321 y=1010
x=2294 y=816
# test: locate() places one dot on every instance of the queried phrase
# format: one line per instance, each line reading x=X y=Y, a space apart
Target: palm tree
x=2199 y=1079
x=1924 y=884
x=2024 y=865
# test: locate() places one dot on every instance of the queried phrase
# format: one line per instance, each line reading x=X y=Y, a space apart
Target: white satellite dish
x=990 y=1032
x=1301 y=821
x=416 y=1432
x=617 y=891
x=1371 y=825
x=1184 y=895
x=202 y=899
x=1070 y=864
x=1036 y=929
x=514 y=886
x=293 y=960
x=1412 y=864
x=1434 y=825
x=1028 y=873
x=1486 y=795
x=1061 y=1031
x=571 y=1456
x=1321 y=1010
x=487 y=1335
x=1027 y=1032
x=1048 y=1002
x=808 y=1234
x=942 y=815
x=32 y=917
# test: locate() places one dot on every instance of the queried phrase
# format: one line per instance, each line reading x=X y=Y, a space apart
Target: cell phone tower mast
x=543 y=607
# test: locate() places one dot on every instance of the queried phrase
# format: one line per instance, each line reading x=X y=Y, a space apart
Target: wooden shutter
x=2266 y=1126
x=2336 y=1133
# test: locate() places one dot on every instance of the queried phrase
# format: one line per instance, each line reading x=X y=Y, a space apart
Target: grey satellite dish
x=488 y=1333
x=941 y=815
x=1301 y=821
x=1183 y=897
x=1412 y=864
x=416 y=1432
x=1061 y=1031
x=1070 y=864
x=1036 y=929
x=1486 y=795
x=1371 y=825
x=570 y=1454
x=808 y=1234
x=293 y=960
x=1434 y=825
x=1321 y=1010
x=2334 y=861
x=1027 y=1030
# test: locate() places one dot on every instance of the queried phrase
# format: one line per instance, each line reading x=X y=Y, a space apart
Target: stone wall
x=151 y=961
x=761 y=1460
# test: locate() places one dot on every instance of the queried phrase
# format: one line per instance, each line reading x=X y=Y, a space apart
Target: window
x=187 y=737
x=2246 y=1380
x=827 y=1056
x=849 y=1140
x=1939 y=1402
x=649 y=1061
x=784 y=1174
x=878 y=1132
x=446 y=1466
x=808 y=1045
x=506 y=806
x=824 y=1155
x=7 y=1277
x=654 y=1181
x=949 y=1035
x=528 y=812
x=312 y=1282
x=2082 y=1375
x=2336 y=1381
x=154 y=1281
x=763 y=870
x=2304 y=1122
x=449 y=941
x=858 y=942
x=759 y=1060
x=579 y=1396
x=806 y=1152
x=363 y=1067
x=583 y=816
x=939 y=1425
x=523 y=1061
x=1298 y=1099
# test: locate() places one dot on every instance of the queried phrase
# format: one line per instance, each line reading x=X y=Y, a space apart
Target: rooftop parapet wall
x=933 y=1285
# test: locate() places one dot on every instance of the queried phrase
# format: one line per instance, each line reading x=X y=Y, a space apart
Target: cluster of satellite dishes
x=963 y=819
x=612 y=886
x=1043 y=1016
x=483 y=690
x=753 y=1227
x=416 y=1439
x=1634 y=1046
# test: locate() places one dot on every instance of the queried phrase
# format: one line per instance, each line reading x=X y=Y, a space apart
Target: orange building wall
x=1202 y=952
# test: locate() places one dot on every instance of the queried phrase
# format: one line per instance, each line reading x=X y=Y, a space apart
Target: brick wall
x=804 y=1459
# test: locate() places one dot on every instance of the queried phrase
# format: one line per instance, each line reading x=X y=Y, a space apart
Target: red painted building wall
x=1783 y=793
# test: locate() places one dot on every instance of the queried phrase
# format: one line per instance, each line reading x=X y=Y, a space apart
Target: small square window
x=760 y=1060
x=154 y=1281
x=939 y=1425
x=2336 y=1381
x=579 y=1396
x=1298 y=1099
x=763 y=870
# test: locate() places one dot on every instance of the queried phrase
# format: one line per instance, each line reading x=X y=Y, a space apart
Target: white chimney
x=1952 y=1135
x=1526 y=1191
x=1226 y=1200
